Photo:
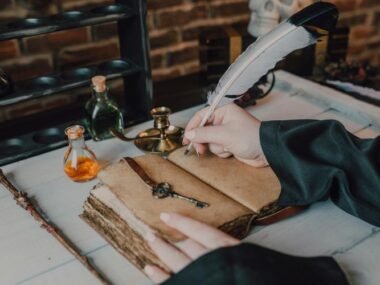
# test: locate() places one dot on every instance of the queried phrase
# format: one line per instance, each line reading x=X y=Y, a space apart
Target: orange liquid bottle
x=80 y=162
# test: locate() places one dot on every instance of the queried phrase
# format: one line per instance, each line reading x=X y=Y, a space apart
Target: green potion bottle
x=102 y=113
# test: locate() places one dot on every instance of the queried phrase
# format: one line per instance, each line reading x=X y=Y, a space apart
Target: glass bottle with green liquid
x=102 y=113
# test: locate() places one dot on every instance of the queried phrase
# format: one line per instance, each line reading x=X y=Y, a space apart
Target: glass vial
x=102 y=114
x=80 y=163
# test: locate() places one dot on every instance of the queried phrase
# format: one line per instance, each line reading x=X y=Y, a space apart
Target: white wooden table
x=29 y=255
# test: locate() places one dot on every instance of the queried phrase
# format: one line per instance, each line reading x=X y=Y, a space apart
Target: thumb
x=208 y=134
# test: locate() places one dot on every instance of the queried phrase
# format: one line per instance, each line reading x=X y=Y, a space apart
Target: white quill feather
x=257 y=60
x=262 y=55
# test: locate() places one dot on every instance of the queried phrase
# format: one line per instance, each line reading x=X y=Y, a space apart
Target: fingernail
x=150 y=236
x=149 y=270
x=190 y=135
x=165 y=217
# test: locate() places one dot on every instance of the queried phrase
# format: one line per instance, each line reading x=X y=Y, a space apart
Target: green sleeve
x=317 y=160
x=249 y=264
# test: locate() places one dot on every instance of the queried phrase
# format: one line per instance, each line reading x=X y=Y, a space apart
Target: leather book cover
x=122 y=208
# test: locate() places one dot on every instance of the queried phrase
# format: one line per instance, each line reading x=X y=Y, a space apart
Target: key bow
x=161 y=190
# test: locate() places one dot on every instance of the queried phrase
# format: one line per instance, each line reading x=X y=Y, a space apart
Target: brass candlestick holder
x=162 y=139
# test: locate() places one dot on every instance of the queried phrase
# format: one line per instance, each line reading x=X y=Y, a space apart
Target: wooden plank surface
x=42 y=258
x=30 y=256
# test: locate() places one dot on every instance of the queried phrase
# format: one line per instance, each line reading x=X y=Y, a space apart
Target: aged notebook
x=122 y=208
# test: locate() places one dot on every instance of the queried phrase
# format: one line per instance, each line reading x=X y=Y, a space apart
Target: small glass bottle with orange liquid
x=80 y=162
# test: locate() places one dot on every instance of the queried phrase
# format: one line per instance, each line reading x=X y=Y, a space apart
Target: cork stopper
x=74 y=132
x=99 y=83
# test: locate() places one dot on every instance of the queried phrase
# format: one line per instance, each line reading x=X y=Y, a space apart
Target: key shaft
x=196 y=202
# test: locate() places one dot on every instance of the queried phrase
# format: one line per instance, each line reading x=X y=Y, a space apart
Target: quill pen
x=300 y=30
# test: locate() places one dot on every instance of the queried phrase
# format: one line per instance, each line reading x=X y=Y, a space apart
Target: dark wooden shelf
x=43 y=140
x=67 y=80
x=31 y=135
x=71 y=19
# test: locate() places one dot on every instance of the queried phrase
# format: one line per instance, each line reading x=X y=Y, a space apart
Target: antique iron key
x=161 y=190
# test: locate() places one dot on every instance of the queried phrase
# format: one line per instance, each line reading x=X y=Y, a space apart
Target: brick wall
x=173 y=27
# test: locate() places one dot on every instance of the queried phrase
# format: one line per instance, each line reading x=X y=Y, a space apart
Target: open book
x=122 y=208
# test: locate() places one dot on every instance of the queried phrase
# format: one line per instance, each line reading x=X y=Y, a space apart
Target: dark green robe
x=317 y=160
x=314 y=161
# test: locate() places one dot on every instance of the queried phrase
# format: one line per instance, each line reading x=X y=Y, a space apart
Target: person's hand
x=230 y=131
x=202 y=239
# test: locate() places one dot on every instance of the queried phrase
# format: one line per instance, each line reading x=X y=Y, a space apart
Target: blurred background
x=189 y=40
x=174 y=27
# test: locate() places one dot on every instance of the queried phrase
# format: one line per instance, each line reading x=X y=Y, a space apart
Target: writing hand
x=230 y=131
